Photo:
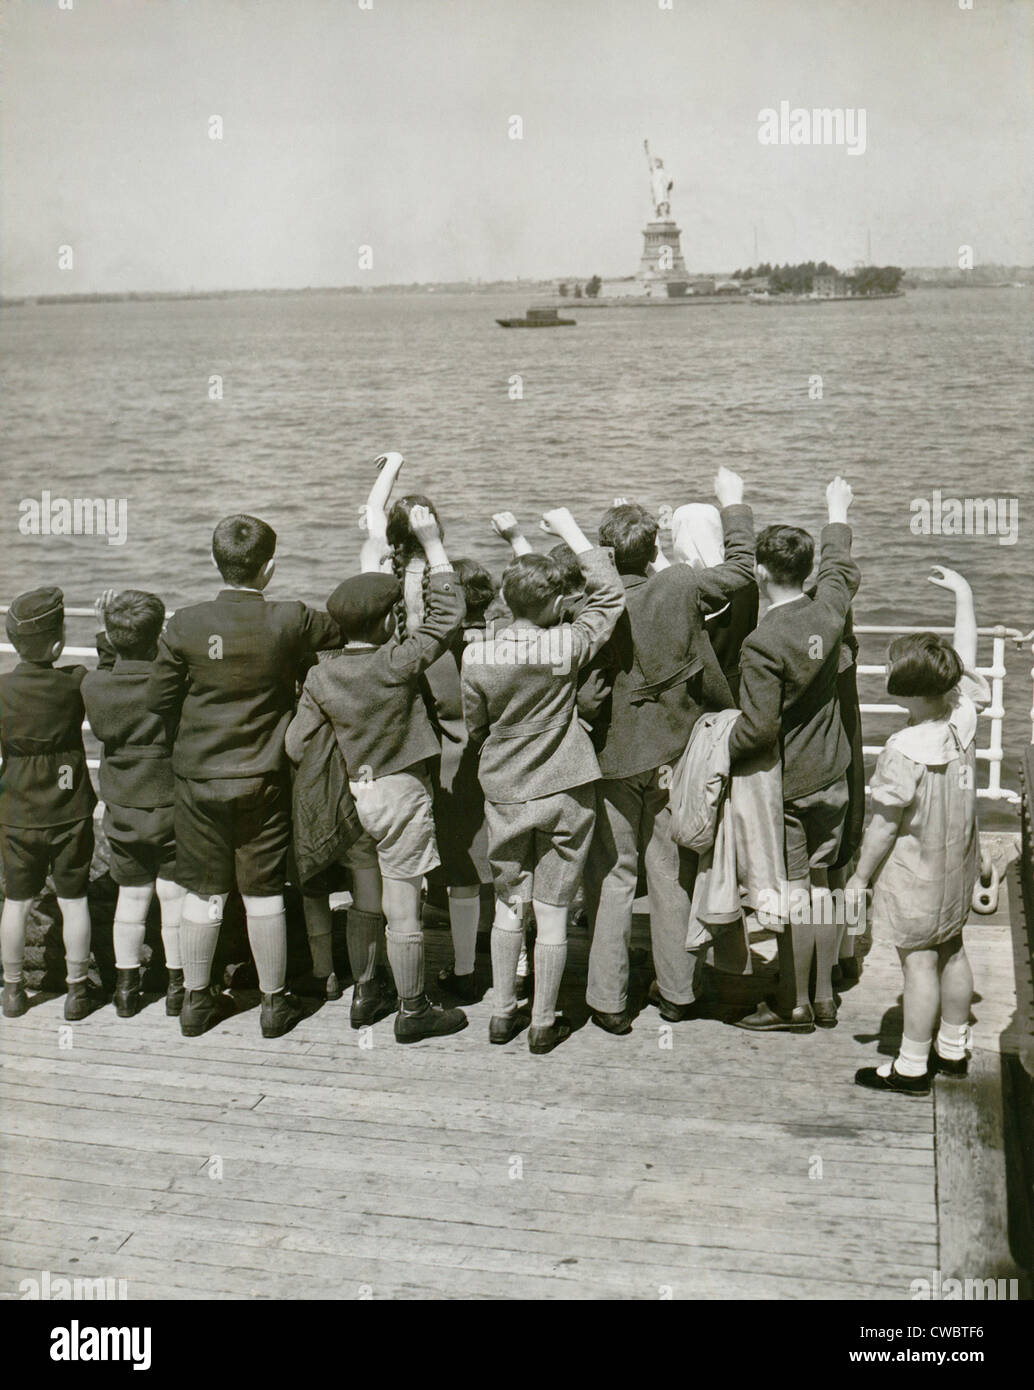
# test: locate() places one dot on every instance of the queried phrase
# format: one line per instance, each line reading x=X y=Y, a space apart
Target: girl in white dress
x=921 y=851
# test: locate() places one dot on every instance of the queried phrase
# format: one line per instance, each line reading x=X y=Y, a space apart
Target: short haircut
x=922 y=663
x=133 y=621
x=36 y=646
x=787 y=552
x=531 y=582
x=479 y=588
x=631 y=532
x=566 y=562
x=241 y=545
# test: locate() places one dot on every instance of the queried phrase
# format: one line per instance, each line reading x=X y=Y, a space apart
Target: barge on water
x=538 y=318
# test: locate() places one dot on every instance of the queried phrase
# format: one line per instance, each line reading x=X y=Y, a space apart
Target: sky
x=389 y=127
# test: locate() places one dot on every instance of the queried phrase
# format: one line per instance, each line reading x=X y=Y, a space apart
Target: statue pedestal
x=662 y=271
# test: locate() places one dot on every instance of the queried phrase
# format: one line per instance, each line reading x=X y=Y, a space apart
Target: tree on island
x=593 y=287
x=877 y=279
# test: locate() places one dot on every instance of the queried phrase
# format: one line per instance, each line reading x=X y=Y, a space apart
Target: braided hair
x=405 y=547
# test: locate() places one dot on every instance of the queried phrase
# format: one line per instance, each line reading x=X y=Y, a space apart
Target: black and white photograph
x=506 y=815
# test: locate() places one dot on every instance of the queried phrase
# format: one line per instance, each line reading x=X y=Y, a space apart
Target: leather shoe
x=872 y=1080
x=371 y=1002
x=127 y=992
x=503 y=1028
x=279 y=1013
x=825 y=1011
x=174 y=993
x=619 y=1024
x=16 y=1001
x=82 y=999
x=429 y=1022
x=946 y=1066
x=543 y=1040
x=764 y=1019
x=674 y=1013
x=203 y=1009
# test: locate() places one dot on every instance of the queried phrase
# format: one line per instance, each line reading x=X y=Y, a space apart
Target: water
x=932 y=391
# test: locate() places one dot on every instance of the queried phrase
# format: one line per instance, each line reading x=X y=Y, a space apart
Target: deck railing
x=991 y=754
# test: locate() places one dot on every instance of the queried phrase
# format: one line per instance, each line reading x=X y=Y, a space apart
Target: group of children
x=434 y=728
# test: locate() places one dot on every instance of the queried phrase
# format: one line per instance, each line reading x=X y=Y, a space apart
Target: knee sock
x=952 y=1040
x=199 y=937
x=12 y=940
x=318 y=932
x=171 y=905
x=549 y=971
x=267 y=936
x=506 y=949
x=912 y=1059
x=464 y=915
x=129 y=941
x=76 y=932
x=364 y=934
x=406 y=957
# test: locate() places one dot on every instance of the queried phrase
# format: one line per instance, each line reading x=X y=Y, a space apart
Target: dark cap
x=39 y=611
x=360 y=603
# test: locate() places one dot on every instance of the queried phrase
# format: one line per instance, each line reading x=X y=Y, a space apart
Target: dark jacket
x=228 y=670
x=325 y=820
x=659 y=665
x=790 y=667
x=136 y=756
x=44 y=780
x=371 y=696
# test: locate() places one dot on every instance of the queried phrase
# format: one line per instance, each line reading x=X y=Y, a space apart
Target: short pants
x=28 y=854
x=396 y=812
x=812 y=829
x=537 y=849
x=233 y=832
x=142 y=843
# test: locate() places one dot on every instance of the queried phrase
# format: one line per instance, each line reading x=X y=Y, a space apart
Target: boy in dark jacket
x=788 y=694
x=228 y=672
x=46 y=797
x=137 y=787
x=371 y=697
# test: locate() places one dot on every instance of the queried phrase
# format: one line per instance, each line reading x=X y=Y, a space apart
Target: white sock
x=464 y=915
x=912 y=1059
x=952 y=1041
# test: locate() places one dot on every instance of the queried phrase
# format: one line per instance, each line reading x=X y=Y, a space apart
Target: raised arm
x=506 y=526
x=965 y=637
x=604 y=592
x=716 y=584
x=445 y=606
x=838 y=577
x=374 y=514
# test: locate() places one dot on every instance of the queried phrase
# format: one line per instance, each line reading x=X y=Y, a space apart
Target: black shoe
x=619 y=1024
x=174 y=993
x=203 y=1009
x=871 y=1079
x=825 y=1011
x=279 y=1013
x=543 y=1040
x=674 y=1013
x=503 y=1028
x=127 y=992
x=429 y=1022
x=946 y=1066
x=82 y=999
x=764 y=1019
x=461 y=987
x=372 y=1001
x=16 y=1001
x=318 y=986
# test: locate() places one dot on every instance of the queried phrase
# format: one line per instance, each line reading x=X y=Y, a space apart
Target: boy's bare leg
x=922 y=1003
x=956 y=1001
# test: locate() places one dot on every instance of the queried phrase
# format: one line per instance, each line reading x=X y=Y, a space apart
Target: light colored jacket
x=735 y=824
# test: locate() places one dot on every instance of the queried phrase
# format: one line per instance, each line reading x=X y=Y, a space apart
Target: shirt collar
x=782 y=602
x=242 y=595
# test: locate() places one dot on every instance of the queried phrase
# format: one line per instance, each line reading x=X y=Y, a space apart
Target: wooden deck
x=722 y=1166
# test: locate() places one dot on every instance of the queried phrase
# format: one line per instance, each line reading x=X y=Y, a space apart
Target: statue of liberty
x=661 y=184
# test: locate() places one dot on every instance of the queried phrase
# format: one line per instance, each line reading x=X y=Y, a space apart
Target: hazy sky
x=389 y=127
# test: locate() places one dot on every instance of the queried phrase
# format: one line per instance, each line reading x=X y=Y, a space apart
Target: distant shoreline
x=533 y=288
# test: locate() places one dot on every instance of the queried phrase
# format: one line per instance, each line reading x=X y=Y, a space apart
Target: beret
x=363 y=600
